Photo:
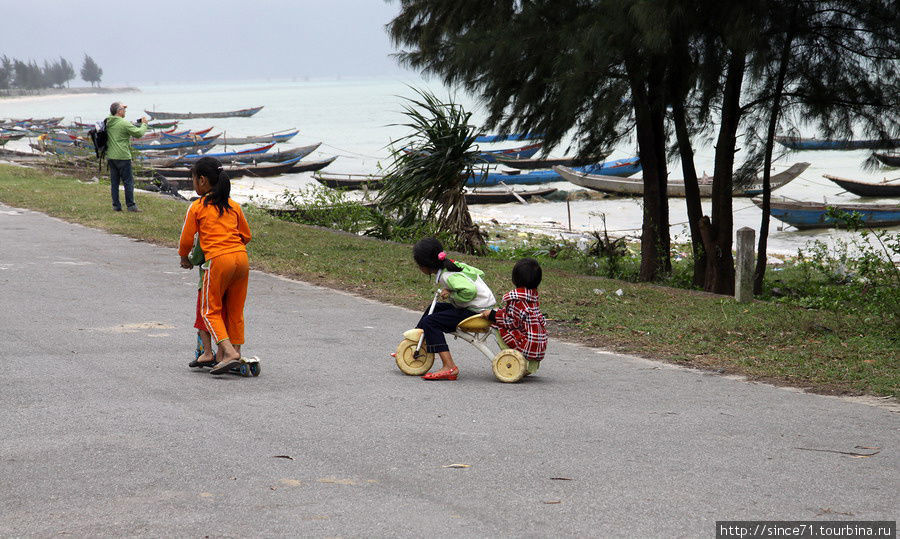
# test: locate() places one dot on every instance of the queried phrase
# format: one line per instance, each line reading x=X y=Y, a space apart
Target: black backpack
x=99 y=139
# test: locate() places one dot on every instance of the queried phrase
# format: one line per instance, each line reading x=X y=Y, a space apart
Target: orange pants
x=223 y=295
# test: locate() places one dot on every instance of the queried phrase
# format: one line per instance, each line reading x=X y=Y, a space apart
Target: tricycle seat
x=475 y=324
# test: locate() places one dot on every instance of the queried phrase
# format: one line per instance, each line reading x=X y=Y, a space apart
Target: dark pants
x=120 y=170
x=443 y=320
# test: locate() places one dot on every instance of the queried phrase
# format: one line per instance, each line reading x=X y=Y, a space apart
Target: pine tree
x=90 y=71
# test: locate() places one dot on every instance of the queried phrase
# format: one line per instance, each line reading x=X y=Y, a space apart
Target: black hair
x=426 y=251
x=211 y=168
x=527 y=274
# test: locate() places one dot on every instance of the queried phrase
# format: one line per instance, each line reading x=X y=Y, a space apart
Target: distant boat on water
x=242 y=113
x=798 y=143
x=805 y=215
x=522 y=152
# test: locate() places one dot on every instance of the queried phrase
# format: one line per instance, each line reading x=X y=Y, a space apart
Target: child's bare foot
x=225 y=365
x=206 y=359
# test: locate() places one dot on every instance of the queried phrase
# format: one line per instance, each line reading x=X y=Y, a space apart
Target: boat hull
x=635 y=186
x=809 y=215
x=242 y=113
x=865 y=189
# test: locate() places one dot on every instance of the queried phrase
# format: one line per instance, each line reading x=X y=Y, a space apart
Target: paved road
x=107 y=432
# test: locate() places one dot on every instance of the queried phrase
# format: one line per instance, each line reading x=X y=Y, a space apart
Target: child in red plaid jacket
x=522 y=325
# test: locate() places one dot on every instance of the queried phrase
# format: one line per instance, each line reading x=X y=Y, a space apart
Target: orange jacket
x=219 y=235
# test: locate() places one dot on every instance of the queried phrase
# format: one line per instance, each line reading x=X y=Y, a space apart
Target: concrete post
x=745 y=263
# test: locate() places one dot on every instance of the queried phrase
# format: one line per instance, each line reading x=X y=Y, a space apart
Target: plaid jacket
x=521 y=324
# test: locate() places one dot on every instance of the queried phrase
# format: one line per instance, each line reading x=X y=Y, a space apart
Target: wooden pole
x=569 y=211
x=743 y=281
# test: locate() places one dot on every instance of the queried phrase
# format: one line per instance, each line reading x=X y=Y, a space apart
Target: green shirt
x=119 y=132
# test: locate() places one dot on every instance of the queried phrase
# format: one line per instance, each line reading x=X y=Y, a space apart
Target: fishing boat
x=867 y=189
x=798 y=143
x=163 y=125
x=503 y=196
x=675 y=188
x=251 y=155
x=179 y=143
x=806 y=215
x=522 y=152
x=187 y=134
x=279 y=136
x=550 y=162
x=508 y=137
x=619 y=167
x=891 y=160
x=241 y=113
x=310 y=166
x=181 y=176
x=349 y=181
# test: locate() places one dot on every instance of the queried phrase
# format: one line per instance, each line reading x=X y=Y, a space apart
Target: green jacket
x=197 y=258
x=119 y=132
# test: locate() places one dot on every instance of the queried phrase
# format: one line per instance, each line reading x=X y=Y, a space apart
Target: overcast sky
x=204 y=40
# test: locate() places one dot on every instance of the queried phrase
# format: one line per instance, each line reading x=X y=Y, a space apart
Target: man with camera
x=118 y=153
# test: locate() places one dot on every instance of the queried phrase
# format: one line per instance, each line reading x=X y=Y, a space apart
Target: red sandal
x=449 y=374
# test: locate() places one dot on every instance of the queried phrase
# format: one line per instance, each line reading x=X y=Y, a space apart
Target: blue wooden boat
x=228 y=155
x=522 y=152
x=798 y=143
x=510 y=137
x=182 y=143
x=805 y=215
x=619 y=167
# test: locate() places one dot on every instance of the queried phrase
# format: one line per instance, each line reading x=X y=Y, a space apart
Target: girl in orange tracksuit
x=223 y=232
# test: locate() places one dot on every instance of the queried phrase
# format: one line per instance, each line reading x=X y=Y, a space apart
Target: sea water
x=359 y=120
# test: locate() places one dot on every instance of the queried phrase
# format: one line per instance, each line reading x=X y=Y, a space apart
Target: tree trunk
x=691 y=191
x=718 y=237
x=649 y=111
x=761 y=256
x=679 y=87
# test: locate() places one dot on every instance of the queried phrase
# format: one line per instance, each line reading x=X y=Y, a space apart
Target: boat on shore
x=550 y=162
x=251 y=155
x=799 y=143
x=279 y=136
x=489 y=138
x=806 y=215
x=522 y=152
x=504 y=196
x=675 y=188
x=867 y=189
x=618 y=167
x=193 y=142
x=349 y=181
x=241 y=113
x=891 y=160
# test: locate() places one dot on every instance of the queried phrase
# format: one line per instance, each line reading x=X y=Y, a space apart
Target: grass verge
x=822 y=350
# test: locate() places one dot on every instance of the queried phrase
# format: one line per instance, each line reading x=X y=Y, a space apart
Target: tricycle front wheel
x=409 y=362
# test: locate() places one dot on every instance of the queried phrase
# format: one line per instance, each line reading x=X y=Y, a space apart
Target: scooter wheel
x=245 y=370
x=254 y=369
x=509 y=366
x=413 y=366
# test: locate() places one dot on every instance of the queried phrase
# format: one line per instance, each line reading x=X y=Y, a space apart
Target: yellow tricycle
x=509 y=365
